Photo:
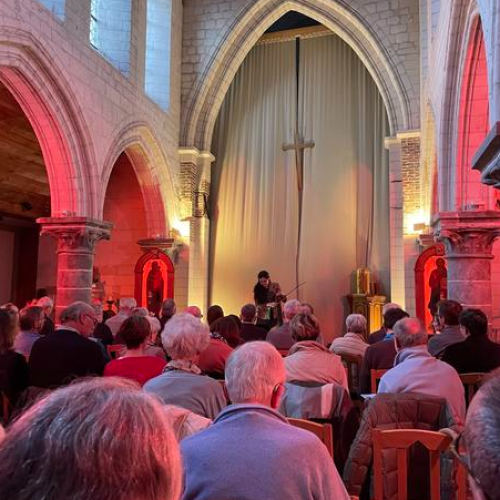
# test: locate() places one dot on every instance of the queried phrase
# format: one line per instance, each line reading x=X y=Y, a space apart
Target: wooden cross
x=299 y=145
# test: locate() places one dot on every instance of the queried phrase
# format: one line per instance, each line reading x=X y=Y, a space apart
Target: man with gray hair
x=251 y=451
x=47 y=304
x=67 y=353
x=416 y=370
x=280 y=336
x=127 y=305
x=481 y=437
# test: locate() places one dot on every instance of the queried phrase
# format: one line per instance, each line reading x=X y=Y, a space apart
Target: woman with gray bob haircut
x=96 y=439
x=182 y=382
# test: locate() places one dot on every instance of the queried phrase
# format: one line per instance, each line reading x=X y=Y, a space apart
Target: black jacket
x=63 y=356
x=474 y=354
x=251 y=332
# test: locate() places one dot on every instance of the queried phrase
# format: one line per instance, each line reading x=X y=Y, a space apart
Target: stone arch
x=140 y=145
x=36 y=82
x=203 y=105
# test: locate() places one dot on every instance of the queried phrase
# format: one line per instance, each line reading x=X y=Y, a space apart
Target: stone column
x=468 y=239
x=76 y=238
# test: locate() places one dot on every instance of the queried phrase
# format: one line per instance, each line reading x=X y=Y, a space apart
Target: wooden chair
x=115 y=350
x=401 y=440
x=471 y=382
x=323 y=431
x=375 y=376
x=352 y=364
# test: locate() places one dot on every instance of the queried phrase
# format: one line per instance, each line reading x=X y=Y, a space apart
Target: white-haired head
x=185 y=337
x=127 y=304
x=389 y=306
x=255 y=373
x=356 y=323
x=409 y=332
x=81 y=317
x=46 y=303
x=291 y=308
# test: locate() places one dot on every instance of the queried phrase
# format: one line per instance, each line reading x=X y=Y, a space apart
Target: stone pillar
x=468 y=239
x=76 y=238
x=197 y=175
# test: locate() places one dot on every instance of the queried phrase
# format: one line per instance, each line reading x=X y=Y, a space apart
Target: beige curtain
x=345 y=219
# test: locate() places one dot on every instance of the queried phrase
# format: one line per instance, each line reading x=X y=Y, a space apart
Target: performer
x=438 y=284
x=268 y=297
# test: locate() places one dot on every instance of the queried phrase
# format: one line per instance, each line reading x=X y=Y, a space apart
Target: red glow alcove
x=142 y=270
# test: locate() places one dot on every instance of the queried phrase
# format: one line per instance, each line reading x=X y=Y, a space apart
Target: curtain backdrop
x=345 y=220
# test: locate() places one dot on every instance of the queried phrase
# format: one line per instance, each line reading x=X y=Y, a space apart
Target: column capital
x=75 y=234
x=467 y=234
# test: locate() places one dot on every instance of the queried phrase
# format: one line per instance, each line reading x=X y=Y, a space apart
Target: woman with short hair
x=96 y=439
x=353 y=343
x=135 y=363
x=308 y=360
x=182 y=382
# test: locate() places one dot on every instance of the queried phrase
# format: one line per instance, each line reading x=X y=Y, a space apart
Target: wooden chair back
x=401 y=440
x=323 y=431
x=6 y=408
x=375 y=376
x=352 y=365
x=471 y=382
x=115 y=350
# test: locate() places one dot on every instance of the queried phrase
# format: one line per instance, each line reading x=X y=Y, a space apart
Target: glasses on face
x=464 y=459
x=94 y=320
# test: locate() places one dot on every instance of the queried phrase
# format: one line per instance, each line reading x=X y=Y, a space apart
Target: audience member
x=280 y=336
x=13 y=367
x=182 y=383
x=380 y=356
x=194 y=311
x=416 y=370
x=214 y=313
x=96 y=439
x=67 y=353
x=353 y=342
x=212 y=360
x=481 y=436
x=184 y=422
x=135 y=364
x=249 y=330
x=30 y=321
x=127 y=305
x=251 y=451
x=102 y=331
x=310 y=361
x=450 y=332
x=47 y=304
x=307 y=308
x=477 y=353
x=379 y=335
x=168 y=309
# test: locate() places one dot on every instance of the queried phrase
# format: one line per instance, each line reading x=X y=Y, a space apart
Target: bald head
x=409 y=332
x=253 y=372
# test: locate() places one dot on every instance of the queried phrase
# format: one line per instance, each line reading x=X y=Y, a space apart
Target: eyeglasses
x=464 y=459
x=94 y=320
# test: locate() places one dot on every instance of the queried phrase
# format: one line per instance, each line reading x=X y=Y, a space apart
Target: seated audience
x=13 y=367
x=448 y=327
x=182 y=382
x=380 y=356
x=194 y=311
x=251 y=451
x=214 y=313
x=96 y=439
x=168 y=309
x=280 y=336
x=380 y=334
x=68 y=353
x=310 y=361
x=127 y=305
x=481 y=437
x=353 y=342
x=135 y=364
x=47 y=304
x=477 y=353
x=30 y=321
x=102 y=331
x=416 y=370
x=223 y=333
x=249 y=330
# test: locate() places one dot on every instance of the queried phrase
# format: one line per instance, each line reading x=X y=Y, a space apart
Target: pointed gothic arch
x=208 y=93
